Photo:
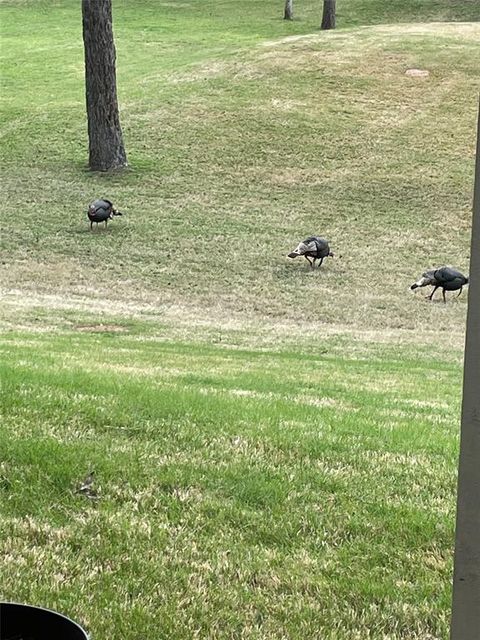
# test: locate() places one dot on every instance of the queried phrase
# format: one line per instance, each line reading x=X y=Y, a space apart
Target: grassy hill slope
x=241 y=142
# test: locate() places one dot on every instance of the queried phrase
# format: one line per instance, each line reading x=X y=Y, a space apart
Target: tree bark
x=465 y=624
x=106 y=150
x=328 y=18
x=288 y=14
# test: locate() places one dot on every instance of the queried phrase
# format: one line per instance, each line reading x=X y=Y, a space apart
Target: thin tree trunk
x=288 y=15
x=328 y=18
x=106 y=150
x=465 y=624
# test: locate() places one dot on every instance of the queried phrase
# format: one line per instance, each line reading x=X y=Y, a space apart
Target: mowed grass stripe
x=285 y=383
x=236 y=511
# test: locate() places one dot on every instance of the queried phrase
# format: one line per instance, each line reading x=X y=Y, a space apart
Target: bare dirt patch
x=101 y=328
x=417 y=73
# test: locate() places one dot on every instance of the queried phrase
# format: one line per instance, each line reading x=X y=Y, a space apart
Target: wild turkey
x=446 y=278
x=313 y=247
x=101 y=211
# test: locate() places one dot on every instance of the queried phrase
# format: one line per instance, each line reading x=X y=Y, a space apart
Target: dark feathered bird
x=101 y=211
x=445 y=278
x=86 y=484
x=312 y=247
x=85 y=487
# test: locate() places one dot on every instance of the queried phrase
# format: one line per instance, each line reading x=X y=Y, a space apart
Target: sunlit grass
x=267 y=492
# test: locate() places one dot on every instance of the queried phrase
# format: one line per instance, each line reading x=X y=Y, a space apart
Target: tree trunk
x=288 y=15
x=328 y=19
x=106 y=150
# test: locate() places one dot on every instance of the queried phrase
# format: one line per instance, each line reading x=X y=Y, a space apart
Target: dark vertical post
x=288 y=12
x=328 y=17
x=106 y=150
x=466 y=576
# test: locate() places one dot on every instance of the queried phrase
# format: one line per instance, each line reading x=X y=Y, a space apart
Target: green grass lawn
x=242 y=493
x=241 y=143
x=274 y=449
